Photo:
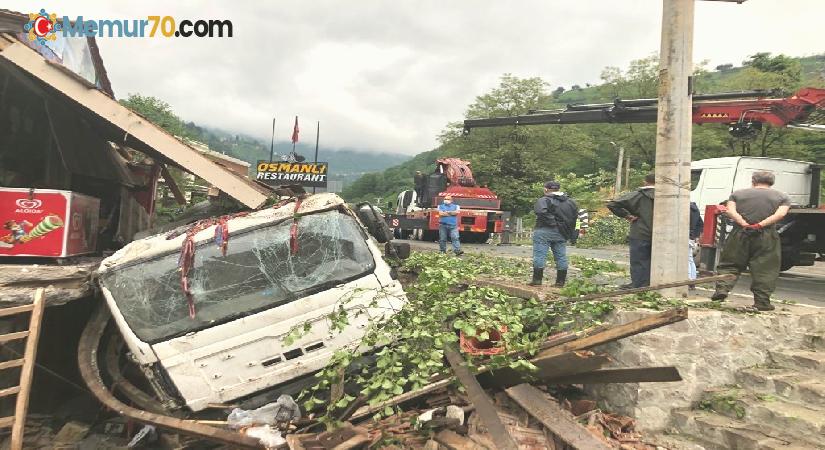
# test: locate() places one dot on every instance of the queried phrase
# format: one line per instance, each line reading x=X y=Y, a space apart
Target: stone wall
x=707 y=349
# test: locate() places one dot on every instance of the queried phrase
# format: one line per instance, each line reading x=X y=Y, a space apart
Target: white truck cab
x=802 y=231
x=248 y=300
x=713 y=180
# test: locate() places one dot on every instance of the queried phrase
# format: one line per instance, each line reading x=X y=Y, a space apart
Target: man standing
x=555 y=223
x=696 y=225
x=448 y=225
x=637 y=208
x=754 y=241
x=418 y=182
x=582 y=223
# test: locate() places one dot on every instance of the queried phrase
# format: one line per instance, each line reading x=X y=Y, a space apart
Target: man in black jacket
x=637 y=208
x=555 y=223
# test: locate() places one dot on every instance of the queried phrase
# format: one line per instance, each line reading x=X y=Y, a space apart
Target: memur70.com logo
x=44 y=27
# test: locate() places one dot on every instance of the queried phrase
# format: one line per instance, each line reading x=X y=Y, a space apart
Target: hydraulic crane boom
x=745 y=112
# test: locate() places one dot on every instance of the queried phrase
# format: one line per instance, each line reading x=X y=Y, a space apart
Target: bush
x=607 y=230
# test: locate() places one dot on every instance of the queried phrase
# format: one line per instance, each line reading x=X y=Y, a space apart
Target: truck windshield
x=257 y=273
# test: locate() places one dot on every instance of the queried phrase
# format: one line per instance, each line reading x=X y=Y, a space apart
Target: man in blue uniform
x=448 y=225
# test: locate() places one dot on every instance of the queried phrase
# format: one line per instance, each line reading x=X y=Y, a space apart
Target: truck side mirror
x=374 y=222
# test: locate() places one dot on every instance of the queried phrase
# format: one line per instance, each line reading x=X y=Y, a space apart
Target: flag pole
x=317 y=136
x=272 y=144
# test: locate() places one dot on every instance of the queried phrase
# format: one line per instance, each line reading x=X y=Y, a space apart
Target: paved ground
x=804 y=285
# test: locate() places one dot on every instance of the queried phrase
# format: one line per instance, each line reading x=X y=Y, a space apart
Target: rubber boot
x=719 y=296
x=763 y=305
x=538 y=274
x=561 y=277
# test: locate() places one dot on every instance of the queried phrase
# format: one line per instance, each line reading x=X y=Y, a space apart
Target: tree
x=158 y=112
x=724 y=67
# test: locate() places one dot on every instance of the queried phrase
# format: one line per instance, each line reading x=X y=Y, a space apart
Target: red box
x=47 y=222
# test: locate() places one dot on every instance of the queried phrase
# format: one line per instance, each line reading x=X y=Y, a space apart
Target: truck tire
x=790 y=256
x=429 y=235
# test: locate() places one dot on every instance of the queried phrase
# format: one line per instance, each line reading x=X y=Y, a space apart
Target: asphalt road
x=805 y=285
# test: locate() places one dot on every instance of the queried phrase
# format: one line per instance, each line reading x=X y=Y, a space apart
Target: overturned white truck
x=281 y=267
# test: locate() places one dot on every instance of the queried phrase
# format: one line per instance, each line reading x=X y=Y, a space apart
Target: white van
x=247 y=301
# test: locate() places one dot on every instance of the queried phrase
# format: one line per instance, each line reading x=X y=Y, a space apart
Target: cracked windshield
x=258 y=272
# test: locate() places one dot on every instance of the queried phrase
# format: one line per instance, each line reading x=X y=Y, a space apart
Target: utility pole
x=317 y=137
x=627 y=173
x=673 y=139
x=618 y=187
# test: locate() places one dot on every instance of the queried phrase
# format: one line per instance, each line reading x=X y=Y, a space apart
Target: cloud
x=389 y=75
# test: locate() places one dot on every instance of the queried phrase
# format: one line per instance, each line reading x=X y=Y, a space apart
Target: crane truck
x=416 y=210
x=712 y=180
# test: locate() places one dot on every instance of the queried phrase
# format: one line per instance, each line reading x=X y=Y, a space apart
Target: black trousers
x=640 y=250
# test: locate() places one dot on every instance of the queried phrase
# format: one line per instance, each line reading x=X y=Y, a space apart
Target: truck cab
x=713 y=180
x=273 y=277
x=802 y=231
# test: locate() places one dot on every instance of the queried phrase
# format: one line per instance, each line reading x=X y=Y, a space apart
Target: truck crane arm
x=743 y=111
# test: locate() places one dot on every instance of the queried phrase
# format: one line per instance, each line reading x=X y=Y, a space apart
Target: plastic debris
x=269 y=437
x=146 y=434
x=282 y=411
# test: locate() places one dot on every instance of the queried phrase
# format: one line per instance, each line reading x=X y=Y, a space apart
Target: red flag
x=295 y=131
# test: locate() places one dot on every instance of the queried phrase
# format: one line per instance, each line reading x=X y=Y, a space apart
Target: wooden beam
x=484 y=406
x=617 y=332
x=657 y=287
x=173 y=186
x=624 y=375
x=566 y=364
x=560 y=422
x=107 y=109
x=365 y=411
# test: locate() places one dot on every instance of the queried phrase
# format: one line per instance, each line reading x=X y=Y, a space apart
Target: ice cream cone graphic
x=47 y=225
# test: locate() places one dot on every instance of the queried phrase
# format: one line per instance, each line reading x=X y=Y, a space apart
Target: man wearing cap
x=448 y=225
x=556 y=215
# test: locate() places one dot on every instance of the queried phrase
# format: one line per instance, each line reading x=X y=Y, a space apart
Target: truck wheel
x=429 y=235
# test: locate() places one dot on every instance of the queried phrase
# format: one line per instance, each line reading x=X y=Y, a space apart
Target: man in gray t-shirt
x=754 y=241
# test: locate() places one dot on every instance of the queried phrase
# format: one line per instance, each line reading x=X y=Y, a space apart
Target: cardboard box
x=47 y=222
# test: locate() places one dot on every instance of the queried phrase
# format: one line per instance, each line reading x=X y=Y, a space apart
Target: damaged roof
x=94 y=102
x=159 y=244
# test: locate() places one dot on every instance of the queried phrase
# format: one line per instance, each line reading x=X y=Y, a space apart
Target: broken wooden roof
x=94 y=102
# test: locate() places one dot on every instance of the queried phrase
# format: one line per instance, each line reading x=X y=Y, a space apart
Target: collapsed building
x=78 y=177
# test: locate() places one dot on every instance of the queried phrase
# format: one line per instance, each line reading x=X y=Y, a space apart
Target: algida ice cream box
x=47 y=222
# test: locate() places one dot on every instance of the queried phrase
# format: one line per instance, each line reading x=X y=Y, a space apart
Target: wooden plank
x=454 y=441
x=26 y=372
x=15 y=310
x=625 y=375
x=107 y=109
x=172 y=185
x=9 y=391
x=549 y=367
x=558 y=421
x=484 y=406
x=657 y=287
x=365 y=411
x=10 y=364
x=6 y=422
x=617 y=332
x=13 y=336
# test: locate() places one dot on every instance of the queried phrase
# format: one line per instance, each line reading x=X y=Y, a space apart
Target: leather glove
x=755 y=227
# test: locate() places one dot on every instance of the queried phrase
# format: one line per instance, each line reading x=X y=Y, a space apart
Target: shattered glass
x=257 y=273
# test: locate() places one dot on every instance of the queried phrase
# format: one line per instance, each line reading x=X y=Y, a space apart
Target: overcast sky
x=389 y=74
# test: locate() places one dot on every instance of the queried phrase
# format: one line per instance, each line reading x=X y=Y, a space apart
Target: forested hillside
x=346 y=165
x=514 y=161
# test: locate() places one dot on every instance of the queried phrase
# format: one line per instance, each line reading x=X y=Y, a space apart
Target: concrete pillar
x=673 y=139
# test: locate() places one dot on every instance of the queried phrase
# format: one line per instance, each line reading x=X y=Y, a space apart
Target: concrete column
x=673 y=139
